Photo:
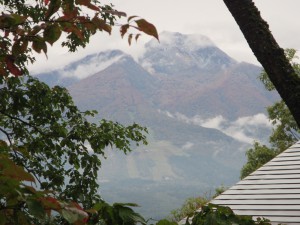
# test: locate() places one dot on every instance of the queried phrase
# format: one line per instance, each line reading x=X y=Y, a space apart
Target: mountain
x=122 y=91
x=199 y=78
x=198 y=104
x=80 y=69
x=181 y=55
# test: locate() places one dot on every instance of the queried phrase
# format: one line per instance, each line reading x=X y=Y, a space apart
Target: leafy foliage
x=188 y=208
x=28 y=26
x=285 y=133
x=257 y=156
x=50 y=153
x=267 y=51
x=49 y=142
x=191 y=205
x=219 y=190
x=221 y=215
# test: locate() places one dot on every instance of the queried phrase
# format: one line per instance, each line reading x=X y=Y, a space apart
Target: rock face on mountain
x=178 y=82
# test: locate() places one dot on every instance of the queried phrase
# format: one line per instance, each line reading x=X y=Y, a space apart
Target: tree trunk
x=268 y=53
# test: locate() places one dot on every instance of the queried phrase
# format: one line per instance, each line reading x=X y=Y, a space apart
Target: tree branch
x=7 y=135
x=22 y=121
x=268 y=53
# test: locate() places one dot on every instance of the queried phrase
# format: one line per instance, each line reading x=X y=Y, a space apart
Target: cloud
x=215 y=122
x=256 y=120
x=245 y=129
x=94 y=65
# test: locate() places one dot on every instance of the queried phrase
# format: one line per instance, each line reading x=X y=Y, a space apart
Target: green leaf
x=73 y=214
x=127 y=214
x=166 y=222
x=99 y=205
x=126 y=204
x=38 y=45
x=53 y=8
x=52 y=33
x=147 y=28
x=8 y=20
x=35 y=208
x=69 y=216
x=18 y=18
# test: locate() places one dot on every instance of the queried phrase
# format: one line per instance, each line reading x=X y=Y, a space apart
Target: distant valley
x=202 y=109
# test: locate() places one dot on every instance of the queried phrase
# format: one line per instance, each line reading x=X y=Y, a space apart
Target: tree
x=54 y=147
x=49 y=151
x=285 y=132
x=257 y=156
x=188 y=208
x=28 y=26
x=268 y=53
x=222 y=215
x=192 y=204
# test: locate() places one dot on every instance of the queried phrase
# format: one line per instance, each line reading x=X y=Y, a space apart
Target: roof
x=272 y=191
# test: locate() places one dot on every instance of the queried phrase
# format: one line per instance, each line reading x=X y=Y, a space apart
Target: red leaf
x=147 y=28
x=115 y=13
x=137 y=37
x=85 y=220
x=35 y=30
x=19 y=47
x=129 y=39
x=50 y=203
x=130 y=18
x=88 y=4
x=70 y=28
x=76 y=205
x=91 y=27
x=46 y=2
x=9 y=60
x=124 y=29
x=101 y=24
x=69 y=14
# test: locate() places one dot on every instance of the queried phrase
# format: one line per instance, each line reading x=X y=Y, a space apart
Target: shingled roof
x=272 y=191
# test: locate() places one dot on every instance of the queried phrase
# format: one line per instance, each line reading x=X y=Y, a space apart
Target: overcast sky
x=206 y=17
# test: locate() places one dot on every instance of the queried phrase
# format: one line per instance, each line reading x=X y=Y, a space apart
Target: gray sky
x=206 y=17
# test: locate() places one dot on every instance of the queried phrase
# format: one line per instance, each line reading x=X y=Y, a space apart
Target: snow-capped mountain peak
x=189 y=42
x=181 y=54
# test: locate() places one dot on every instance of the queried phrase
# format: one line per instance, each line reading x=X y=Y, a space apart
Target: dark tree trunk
x=268 y=53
